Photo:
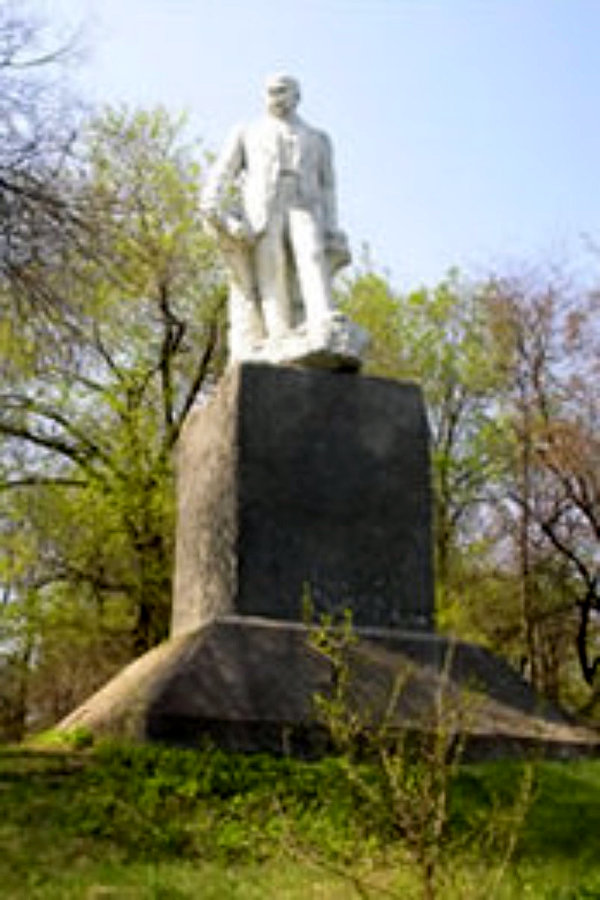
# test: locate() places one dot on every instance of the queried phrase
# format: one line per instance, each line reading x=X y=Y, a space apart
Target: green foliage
x=95 y=395
x=75 y=739
x=407 y=787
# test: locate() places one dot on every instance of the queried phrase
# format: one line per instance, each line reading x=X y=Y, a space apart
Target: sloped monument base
x=298 y=483
x=249 y=684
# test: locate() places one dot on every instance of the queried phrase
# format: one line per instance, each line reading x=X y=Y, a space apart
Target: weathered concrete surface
x=205 y=578
x=249 y=684
x=292 y=479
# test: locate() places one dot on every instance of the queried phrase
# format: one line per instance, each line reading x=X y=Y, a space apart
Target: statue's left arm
x=336 y=242
x=327 y=179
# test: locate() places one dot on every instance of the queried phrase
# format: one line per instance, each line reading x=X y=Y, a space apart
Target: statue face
x=282 y=96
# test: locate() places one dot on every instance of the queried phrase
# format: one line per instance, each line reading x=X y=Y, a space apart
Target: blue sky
x=466 y=132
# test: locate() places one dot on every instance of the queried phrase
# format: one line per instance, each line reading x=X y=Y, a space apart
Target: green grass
x=148 y=822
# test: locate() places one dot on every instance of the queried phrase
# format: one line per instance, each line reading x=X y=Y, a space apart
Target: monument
x=300 y=478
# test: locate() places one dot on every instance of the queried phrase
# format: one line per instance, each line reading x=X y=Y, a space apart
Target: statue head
x=282 y=94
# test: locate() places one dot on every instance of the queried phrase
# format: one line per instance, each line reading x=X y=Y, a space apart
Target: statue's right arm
x=227 y=168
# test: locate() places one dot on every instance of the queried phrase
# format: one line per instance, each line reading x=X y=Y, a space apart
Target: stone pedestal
x=291 y=479
x=296 y=481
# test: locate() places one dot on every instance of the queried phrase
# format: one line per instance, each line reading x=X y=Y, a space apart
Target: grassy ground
x=150 y=823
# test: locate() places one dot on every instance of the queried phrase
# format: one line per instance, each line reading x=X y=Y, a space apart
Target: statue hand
x=229 y=225
x=238 y=229
x=337 y=249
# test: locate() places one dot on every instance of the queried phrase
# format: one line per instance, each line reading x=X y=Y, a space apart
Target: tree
x=37 y=131
x=90 y=425
x=546 y=342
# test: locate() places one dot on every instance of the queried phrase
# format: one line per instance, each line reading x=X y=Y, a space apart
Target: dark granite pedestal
x=297 y=481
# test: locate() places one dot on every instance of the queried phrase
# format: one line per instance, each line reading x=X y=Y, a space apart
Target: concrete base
x=295 y=481
x=249 y=684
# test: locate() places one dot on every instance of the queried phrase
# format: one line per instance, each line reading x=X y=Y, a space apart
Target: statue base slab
x=337 y=343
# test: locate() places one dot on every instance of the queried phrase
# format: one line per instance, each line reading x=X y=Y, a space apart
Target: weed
x=413 y=765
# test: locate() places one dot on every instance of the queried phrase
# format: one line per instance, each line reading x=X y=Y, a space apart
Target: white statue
x=270 y=200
